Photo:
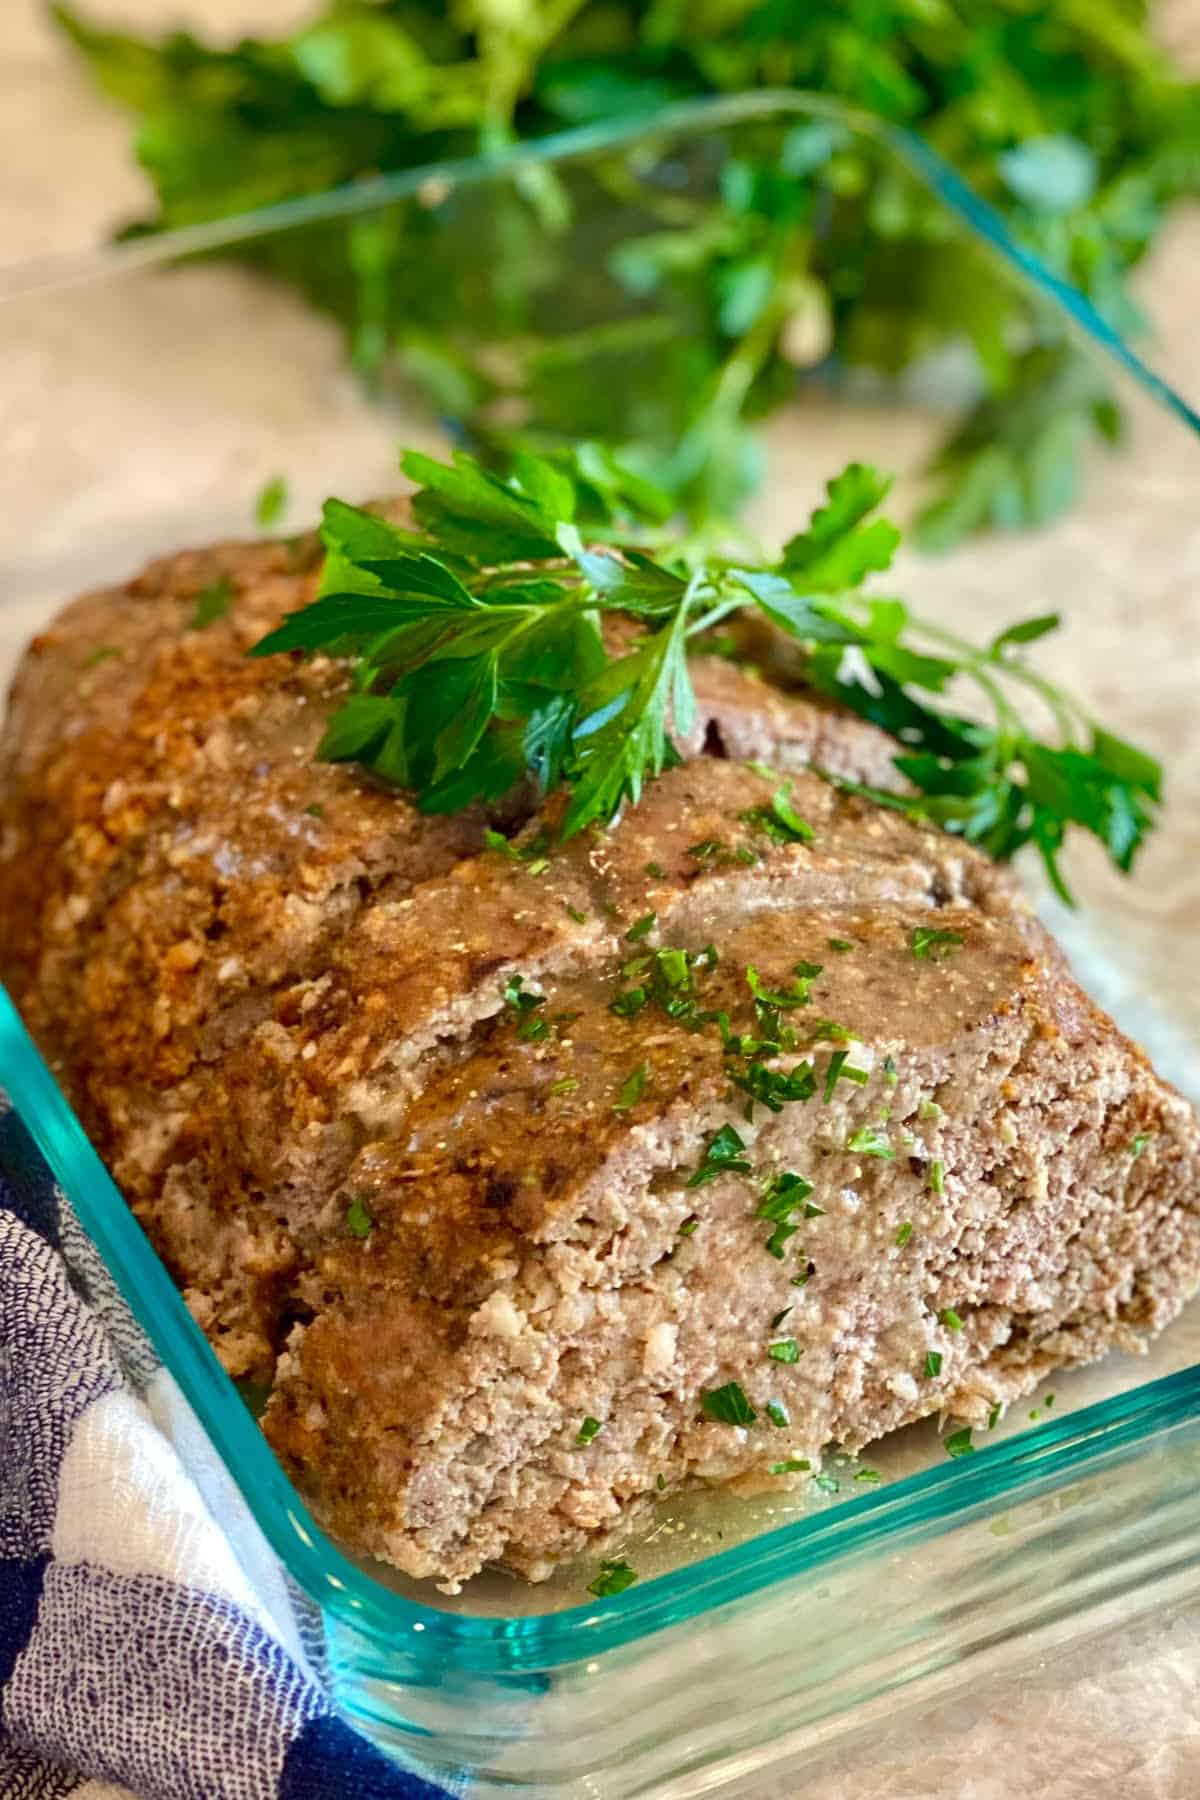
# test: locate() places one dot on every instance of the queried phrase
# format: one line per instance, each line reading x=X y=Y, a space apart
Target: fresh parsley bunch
x=691 y=310
x=480 y=658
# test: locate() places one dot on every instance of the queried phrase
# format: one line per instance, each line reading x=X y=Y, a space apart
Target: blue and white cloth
x=148 y=1646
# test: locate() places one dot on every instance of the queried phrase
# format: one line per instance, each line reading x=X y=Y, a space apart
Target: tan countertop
x=90 y=397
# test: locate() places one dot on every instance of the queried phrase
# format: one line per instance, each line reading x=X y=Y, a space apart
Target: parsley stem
x=742 y=367
x=714 y=614
x=972 y=659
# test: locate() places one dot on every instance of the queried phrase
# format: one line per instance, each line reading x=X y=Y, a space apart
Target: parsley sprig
x=478 y=658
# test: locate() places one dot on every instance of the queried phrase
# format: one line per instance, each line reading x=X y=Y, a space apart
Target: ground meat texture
x=276 y=994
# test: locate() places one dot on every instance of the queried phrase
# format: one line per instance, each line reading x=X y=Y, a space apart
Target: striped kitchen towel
x=148 y=1644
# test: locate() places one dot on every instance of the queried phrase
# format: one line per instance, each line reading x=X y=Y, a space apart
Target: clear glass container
x=152 y=389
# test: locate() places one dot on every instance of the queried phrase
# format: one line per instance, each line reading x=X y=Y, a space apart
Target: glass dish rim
x=499 y=1645
x=909 y=148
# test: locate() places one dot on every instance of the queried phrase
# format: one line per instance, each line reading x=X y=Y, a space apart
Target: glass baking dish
x=153 y=389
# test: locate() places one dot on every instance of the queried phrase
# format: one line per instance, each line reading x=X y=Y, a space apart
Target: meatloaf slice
x=365 y=1082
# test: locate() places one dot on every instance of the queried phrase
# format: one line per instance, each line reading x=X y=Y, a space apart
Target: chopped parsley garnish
x=358 y=1219
x=669 y=984
x=994 y=1415
x=934 y=945
x=936 y=1179
x=890 y=1075
x=784 y=1350
x=871 y=1475
x=533 y=1030
x=933 y=1364
x=632 y=1089
x=773 y=1087
x=728 y=1405
x=830 y=1032
x=656 y=871
x=783 y=1194
x=689 y=1225
x=779 y=821
x=588 y=1430
x=566 y=1085
x=1048 y=1402
x=841 y=1069
x=532 y=854
x=828 y=1484
x=777 y=1321
x=777 y=1242
x=777 y=1414
x=723 y=1155
x=839 y=944
x=959 y=1443
x=796 y=995
x=315 y=811
x=519 y=997
x=903 y=1233
x=928 y=1109
x=614 y=1578
x=105 y=652
x=573 y=912
x=795 y=1465
x=950 y=1319
x=867 y=1141
x=642 y=928
x=706 y=849
x=660 y=1482
x=271 y=502
x=1139 y=1144
x=212 y=603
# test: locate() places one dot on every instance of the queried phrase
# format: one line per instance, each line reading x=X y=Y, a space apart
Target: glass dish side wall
x=709 y=1705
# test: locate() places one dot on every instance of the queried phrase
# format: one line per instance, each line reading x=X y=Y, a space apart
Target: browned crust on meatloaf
x=271 y=987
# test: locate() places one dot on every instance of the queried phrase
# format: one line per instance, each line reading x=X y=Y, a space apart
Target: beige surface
x=149 y=412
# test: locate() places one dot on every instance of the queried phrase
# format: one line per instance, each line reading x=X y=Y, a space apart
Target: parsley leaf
x=728 y=1405
x=780 y=821
x=784 y=1194
x=868 y=1141
x=358 y=1219
x=271 y=503
x=632 y=1089
x=614 y=1577
x=722 y=1156
x=212 y=603
x=929 y=944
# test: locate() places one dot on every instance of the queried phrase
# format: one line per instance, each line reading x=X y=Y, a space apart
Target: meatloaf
x=363 y=1080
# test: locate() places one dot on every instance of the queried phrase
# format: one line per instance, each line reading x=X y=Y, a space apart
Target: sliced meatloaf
x=435 y=1139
